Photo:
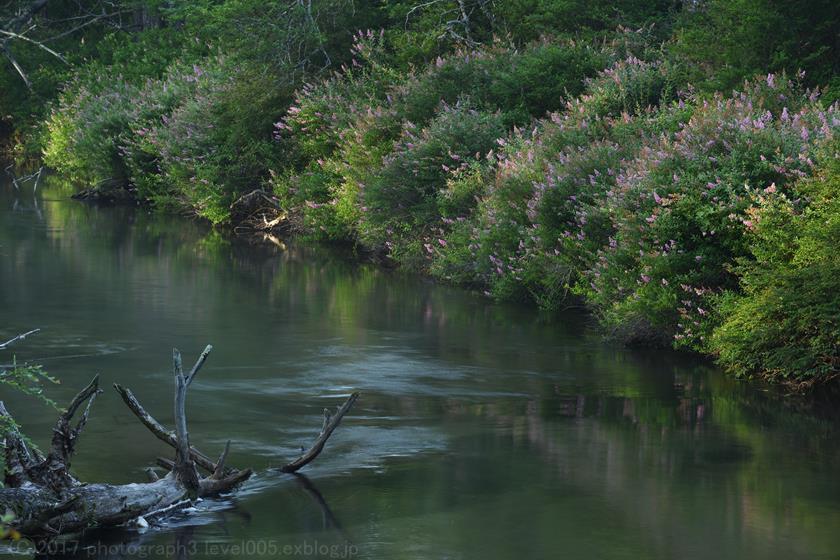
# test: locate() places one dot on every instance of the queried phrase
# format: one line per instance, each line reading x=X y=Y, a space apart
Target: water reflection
x=483 y=431
x=182 y=539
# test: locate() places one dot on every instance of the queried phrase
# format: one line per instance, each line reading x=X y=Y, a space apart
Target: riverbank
x=267 y=222
x=686 y=202
x=700 y=223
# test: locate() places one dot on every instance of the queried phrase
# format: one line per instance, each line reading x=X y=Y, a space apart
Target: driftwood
x=331 y=422
x=48 y=501
x=258 y=211
x=17 y=338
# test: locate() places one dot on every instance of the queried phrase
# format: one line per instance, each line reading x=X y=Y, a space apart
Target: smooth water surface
x=482 y=432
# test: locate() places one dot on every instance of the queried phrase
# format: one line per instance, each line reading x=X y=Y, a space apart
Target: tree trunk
x=48 y=501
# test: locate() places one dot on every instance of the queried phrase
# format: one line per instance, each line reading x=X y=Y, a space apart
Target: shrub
x=680 y=209
x=782 y=324
x=543 y=217
x=405 y=193
x=522 y=84
x=84 y=130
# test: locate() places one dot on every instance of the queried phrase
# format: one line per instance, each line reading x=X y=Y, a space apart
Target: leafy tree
x=731 y=39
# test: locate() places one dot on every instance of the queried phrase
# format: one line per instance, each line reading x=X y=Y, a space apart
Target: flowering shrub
x=630 y=86
x=144 y=146
x=173 y=141
x=783 y=322
x=408 y=186
x=379 y=148
x=637 y=198
x=523 y=84
x=642 y=212
x=85 y=129
x=189 y=140
x=543 y=218
x=338 y=130
x=680 y=209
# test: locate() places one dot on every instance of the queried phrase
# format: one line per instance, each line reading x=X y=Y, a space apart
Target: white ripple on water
x=387 y=372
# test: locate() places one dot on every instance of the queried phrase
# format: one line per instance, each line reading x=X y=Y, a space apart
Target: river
x=483 y=430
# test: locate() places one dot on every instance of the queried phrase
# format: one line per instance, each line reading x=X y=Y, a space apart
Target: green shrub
x=783 y=323
x=84 y=131
x=406 y=191
x=522 y=84
x=543 y=216
x=680 y=208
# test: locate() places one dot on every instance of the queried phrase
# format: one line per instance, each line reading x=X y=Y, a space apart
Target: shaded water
x=482 y=431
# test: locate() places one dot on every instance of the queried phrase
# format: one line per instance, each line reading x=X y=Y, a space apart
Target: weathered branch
x=11 y=341
x=329 y=426
x=53 y=472
x=220 y=479
x=17 y=454
x=184 y=466
x=211 y=486
x=16 y=65
x=26 y=15
x=38 y=44
x=158 y=430
x=18 y=28
x=90 y=21
x=48 y=501
x=219 y=471
x=64 y=434
x=200 y=362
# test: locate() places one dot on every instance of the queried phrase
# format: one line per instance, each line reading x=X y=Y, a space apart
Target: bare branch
x=54 y=470
x=38 y=44
x=419 y=7
x=184 y=466
x=219 y=472
x=329 y=426
x=200 y=362
x=93 y=19
x=17 y=455
x=17 y=338
x=211 y=486
x=48 y=501
x=26 y=15
x=159 y=431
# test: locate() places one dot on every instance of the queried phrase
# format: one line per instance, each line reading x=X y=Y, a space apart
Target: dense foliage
x=784 y=321
x=670 y=165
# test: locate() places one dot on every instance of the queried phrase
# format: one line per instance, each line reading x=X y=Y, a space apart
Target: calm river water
x=483 y=431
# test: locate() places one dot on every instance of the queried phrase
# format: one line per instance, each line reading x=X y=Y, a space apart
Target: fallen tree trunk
x=47 y=501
